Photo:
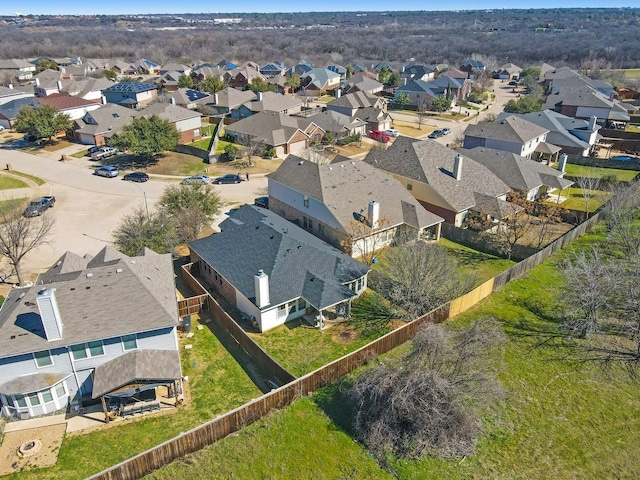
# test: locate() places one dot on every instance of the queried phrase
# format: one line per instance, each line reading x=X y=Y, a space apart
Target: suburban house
x=442 y=180
x=508 y=71
x=98 y=126
x=64 y=343
x=511 y=133
x=351 y=103
x=349 y=204
x=320 y=80
x=44 y=86
x=72 y=107
x=226 y=65
x=274 y=271
x=10 y=109
x=222 y=102
x=241 y=76
x=339 y=69
x=422 y=94
x=174 y=67
x=338 y=124
x=360 y=82
x=146 y=67
x=131 y=94
x=572 y=135
x=416 y=71
x=284 y=133
x=529 y=177
x=273 y=69
x=473 y=68
x=87 y=88
x=586 y=102
x=8 y=94
x=200 y=72
x=376 y=119
x=300 y=68
x=168 y=82
x=190 y=98
x=268 y=101
x=186 y=122
x=17 y=68
x=122 y=68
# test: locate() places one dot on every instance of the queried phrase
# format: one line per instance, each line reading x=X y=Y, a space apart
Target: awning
x=494 y=207
x=141 y=367
x=32 y=383
x=547 y=148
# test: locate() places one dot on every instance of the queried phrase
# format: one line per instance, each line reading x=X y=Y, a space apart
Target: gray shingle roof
x=110 y=295
x=561 y=124
x=332 y=121
x=31 y=383
x=355 y=100
x=347 y=187
x=298 y=264
x=169 y=112
x=429 y=162
x=143 y=366
x=272 y=127
x=231 y=97
x=512 y=129
x=272 y=101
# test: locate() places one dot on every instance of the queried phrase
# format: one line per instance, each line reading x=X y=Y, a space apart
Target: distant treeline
x=524 y=37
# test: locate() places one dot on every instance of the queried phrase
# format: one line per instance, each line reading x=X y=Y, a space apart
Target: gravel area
x=50 y=438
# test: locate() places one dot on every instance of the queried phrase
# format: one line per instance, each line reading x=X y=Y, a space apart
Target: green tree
x=146 y=136
x=529 y=76
x=293 y=81
x=522 y=105
x=257 y=84
x=383 y=75
x=45 y=63
x=42 y=121
x=349 y=73
x=139 y=230
x=110 y=74
x=395 y=79
x=441 y=103
x=403 y=99
x=212 y=84
x=191 y=206
x=231 y=152
x=185 y=81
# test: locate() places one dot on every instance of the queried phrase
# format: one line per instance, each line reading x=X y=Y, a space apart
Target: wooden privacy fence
x=224 y=425
x=191 y=305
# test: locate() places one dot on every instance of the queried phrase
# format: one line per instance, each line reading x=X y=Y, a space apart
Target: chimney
x=11 y=86
x=338 y=92
x=172 y=100
x=403 y=68
x=261 y=283
x=37 y=80
x=374 y=213
x=103 y=100
x=592 y=122
x=457 y=167
x=562 y=163
x=59 y=83
x=259 y=96
x=404 y=81
x=49 y=313
x=215 y=98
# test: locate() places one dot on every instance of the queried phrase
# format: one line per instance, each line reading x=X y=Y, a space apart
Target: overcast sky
x=8 y=7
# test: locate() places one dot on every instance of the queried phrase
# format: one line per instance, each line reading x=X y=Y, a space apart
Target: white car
x=392 y=132
x=196 y=180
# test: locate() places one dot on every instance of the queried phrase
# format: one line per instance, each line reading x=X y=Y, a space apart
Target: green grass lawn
x=217 y=384
x=559 y=419
x=300 y=348
x=597 y=172
x=39 y=181
x=7 y=183
x=203 y=143
x=483 y=265
x=576 y=200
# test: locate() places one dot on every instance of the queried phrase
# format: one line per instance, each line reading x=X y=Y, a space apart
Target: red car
x=379 y=135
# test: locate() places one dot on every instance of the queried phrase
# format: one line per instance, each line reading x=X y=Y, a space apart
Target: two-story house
x=131 y=94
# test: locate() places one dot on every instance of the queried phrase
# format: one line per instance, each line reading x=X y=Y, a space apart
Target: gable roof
x=429 y=162
x=167 y=111
x=272 y=101
x=298 y=264
x=516 y=171
x=129 y=87
x=106 y=120
x=85 y=293
x=332 y=121
x=275 y=128
x=186 y=96
x=355 y=100
x=319 y=77
x=512 y=128
x=10 y=109
x=346 y=188
x=561 y=124
x=64 y=101
x=232 y=97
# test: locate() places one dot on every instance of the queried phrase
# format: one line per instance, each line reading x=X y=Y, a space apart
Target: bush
x=231 y=152
x=475 y=97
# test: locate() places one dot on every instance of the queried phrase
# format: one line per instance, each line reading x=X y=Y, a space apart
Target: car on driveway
x=436 y=134
x=104 y=152
x=261 y=202
x=37 y=207
x=136 y=177
x=392 y=132
x=94 y=149
x=228 y=178
x=379 y=135
x=106 y=171
x=196 y=180
x=446 y=131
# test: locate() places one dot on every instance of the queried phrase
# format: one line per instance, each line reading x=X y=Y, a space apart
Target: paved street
x=88 y=208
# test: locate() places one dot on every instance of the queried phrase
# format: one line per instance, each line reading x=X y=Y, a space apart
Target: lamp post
x=146 y=205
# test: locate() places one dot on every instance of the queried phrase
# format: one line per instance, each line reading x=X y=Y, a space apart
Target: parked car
x=37 y=207
x=196 y=180
x=379 y=135
x=95 y=148
x=104 y=152
x=392 y=132
x=106 y=171
x=446 y=131
x=136 y=177
x=262 y=202
x=436 y=134
x=228 y=178
x=513 y=83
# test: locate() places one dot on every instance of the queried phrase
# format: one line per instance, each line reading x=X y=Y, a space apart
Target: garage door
x=297 y=147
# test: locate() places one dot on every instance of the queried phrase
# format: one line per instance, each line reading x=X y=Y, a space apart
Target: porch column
x=104 y=409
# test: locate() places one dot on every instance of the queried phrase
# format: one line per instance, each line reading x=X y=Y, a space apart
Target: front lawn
x=8 y=183
x=216 y=385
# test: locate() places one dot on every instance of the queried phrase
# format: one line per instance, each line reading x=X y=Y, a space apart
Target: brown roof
x=64 y=101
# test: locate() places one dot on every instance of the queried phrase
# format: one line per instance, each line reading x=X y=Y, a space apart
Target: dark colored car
x=228 y=178
x=436 y=134
x=94 y=149
x=136 y=177
x=262 y=202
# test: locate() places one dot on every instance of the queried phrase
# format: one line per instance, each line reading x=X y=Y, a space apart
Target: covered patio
x=127 y=385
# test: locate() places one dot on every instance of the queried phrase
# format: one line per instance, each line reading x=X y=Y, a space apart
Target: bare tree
x=364 y=241
x=423 y=109
x=590 y=188
x=510 y=231
x=429 y=401
x=621 y=214
x=19 y=235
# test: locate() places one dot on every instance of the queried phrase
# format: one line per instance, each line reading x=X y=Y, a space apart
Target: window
x=60 y=390
x=307 y=224
x=282 y=311
x=95 y=348
x=21 y=402
x=34 y=400
x=43 y=359
x=196 y=132
x=129 y=342
x=306 y=201
x=409 y=186
x=321 y=229
x=302 y=304
x=47 y=396
x=78 y=351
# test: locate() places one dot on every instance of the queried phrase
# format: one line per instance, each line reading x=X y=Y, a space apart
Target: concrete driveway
x=88 y=208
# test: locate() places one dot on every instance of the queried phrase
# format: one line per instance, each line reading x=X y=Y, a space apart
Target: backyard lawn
x=559 y=419
x=577 y=201
x=483 y=265
x=597 y=172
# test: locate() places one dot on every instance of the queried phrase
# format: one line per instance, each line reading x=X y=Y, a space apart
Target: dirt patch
x=343 y=335
x=50 y=439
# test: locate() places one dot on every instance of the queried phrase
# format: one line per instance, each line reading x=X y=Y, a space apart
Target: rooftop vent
x=118 y=270
x=89 y=275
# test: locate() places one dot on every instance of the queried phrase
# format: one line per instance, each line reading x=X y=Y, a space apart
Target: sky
x=111 y=7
